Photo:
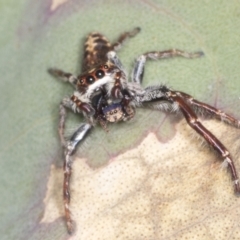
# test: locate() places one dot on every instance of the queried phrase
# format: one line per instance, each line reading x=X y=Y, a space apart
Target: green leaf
x=36 y=35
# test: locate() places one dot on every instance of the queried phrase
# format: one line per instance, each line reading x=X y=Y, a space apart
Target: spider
x=103 y=94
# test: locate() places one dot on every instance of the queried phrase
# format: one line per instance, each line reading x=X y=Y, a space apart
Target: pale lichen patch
x=56 y=3
x=173 y=190
x=52 y=200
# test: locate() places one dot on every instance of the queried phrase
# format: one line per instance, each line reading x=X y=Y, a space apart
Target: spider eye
x=90 y=79
x=105 y=66
x=100 y=74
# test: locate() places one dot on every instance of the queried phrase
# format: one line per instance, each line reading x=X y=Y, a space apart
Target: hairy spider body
x=103 y=94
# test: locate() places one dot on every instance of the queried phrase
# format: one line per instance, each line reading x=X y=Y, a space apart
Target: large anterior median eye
x=90 y=79
x=100 y=74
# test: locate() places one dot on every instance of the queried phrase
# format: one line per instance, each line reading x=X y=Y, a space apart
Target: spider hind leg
x=194 y=123
x=211 y=111
x=157 y=97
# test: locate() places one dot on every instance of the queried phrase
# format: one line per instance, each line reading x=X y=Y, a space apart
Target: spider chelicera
x=104 y=94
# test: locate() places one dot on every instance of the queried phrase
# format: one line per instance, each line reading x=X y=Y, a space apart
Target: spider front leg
x=70 y=146
x=138 y=69
x=76 y=105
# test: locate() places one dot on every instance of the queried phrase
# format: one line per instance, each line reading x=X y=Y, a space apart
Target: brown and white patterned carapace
x=104 y=94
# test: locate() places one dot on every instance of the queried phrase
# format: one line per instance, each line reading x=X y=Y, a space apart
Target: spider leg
x=123 y=37
x=75 y=105
x=112 y=56
x=164 y=94
x=138 y=69
x=193 y=121
x=65 y=77
x=70 y=148
x=61 y=124
x=212 y=111
x=172 y=53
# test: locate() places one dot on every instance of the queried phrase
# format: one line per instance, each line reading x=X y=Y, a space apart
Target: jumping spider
x=104 y=94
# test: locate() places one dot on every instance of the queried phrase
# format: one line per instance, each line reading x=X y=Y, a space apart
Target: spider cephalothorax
x=104 y=94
